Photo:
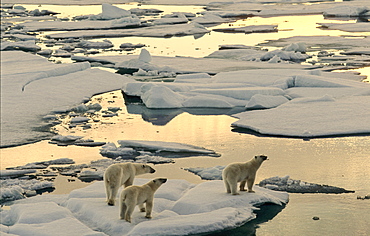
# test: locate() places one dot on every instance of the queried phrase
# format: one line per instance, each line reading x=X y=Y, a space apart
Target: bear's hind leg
x=242 y=185
x=113 y=194
x=141 y=207
x=234 y=187
x=227 y=186
x=123 y=210
x=130 y=203
x=108 y=191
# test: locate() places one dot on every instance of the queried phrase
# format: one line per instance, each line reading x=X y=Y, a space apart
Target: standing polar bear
x=138 y=195
x=243 y=172
x=120 y=174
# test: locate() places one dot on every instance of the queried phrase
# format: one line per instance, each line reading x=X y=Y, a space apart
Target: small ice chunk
x=113 y=12
x=260 y=101
x=79 y=119
x=145 y=56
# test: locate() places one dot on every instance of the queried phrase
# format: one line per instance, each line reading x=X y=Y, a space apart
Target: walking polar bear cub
x=138 y=195
x=243 y=172
x=120 y=174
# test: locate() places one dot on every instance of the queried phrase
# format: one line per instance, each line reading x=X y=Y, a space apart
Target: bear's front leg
x=250 y=183
x=149 y=207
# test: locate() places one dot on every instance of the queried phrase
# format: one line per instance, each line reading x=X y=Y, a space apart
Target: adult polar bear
x=138 y=195
x=120 y=174
x=243 y=172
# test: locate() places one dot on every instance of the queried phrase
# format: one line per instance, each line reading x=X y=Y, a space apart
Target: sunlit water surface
x=340 y=161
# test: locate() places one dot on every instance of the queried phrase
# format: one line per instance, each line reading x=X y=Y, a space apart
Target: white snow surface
x=28 y=80
x=180 y=208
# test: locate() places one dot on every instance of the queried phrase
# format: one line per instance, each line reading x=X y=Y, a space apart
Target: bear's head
x=156 y=183
x=260 y=158
x=160 y=180
x=147 y=169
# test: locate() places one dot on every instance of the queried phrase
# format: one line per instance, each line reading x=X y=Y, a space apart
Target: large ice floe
x=27 y=81
x=305 y=103
x=180 y=208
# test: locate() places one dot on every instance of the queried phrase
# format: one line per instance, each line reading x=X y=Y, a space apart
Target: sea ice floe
x=315 y=43
x=334 y=96
x=112 y=151
x=160 y=146
x=347 y=27
x=13 y=189
x=28 y=81
x=298 y=186
x=310 y=118
x=180 y=208
x=249 y=29
x=346 y=11
x=36 y=26
x=28 y=46
x=209 y=18
x=152 y=31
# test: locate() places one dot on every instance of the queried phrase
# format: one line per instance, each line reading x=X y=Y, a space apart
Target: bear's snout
x=152 y=170
x=163 y=180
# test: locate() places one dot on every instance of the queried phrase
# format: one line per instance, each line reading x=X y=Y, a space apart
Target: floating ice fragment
x=346 y=11
x=145 y=56
x=297 y=186
x=79 y=119
x=260 y=101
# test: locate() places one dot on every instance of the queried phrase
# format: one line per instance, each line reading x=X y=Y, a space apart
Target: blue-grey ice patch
x=210 y=173
x=298 y=186
x=14 y=189
x=161 y=146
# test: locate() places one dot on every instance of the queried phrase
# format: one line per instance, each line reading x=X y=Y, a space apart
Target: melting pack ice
x=180 y=208
x=32 y=87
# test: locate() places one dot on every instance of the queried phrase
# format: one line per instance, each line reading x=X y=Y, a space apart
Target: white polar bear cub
x=120 y=174
x=138 y=195
x=243 y=172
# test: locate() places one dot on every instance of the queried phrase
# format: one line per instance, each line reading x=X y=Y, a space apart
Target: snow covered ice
x=306 y=103
x=27 y=80
x=180 y=208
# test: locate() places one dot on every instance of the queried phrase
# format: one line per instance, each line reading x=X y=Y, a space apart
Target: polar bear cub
x=138 y=195
x=120 y=174
x=243 y=172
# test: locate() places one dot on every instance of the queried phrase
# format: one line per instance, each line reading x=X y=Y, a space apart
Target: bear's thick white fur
x=120 y=174
x=138 y=195
x=243 y=172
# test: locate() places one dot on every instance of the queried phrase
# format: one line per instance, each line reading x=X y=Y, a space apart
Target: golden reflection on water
x=334 y=161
